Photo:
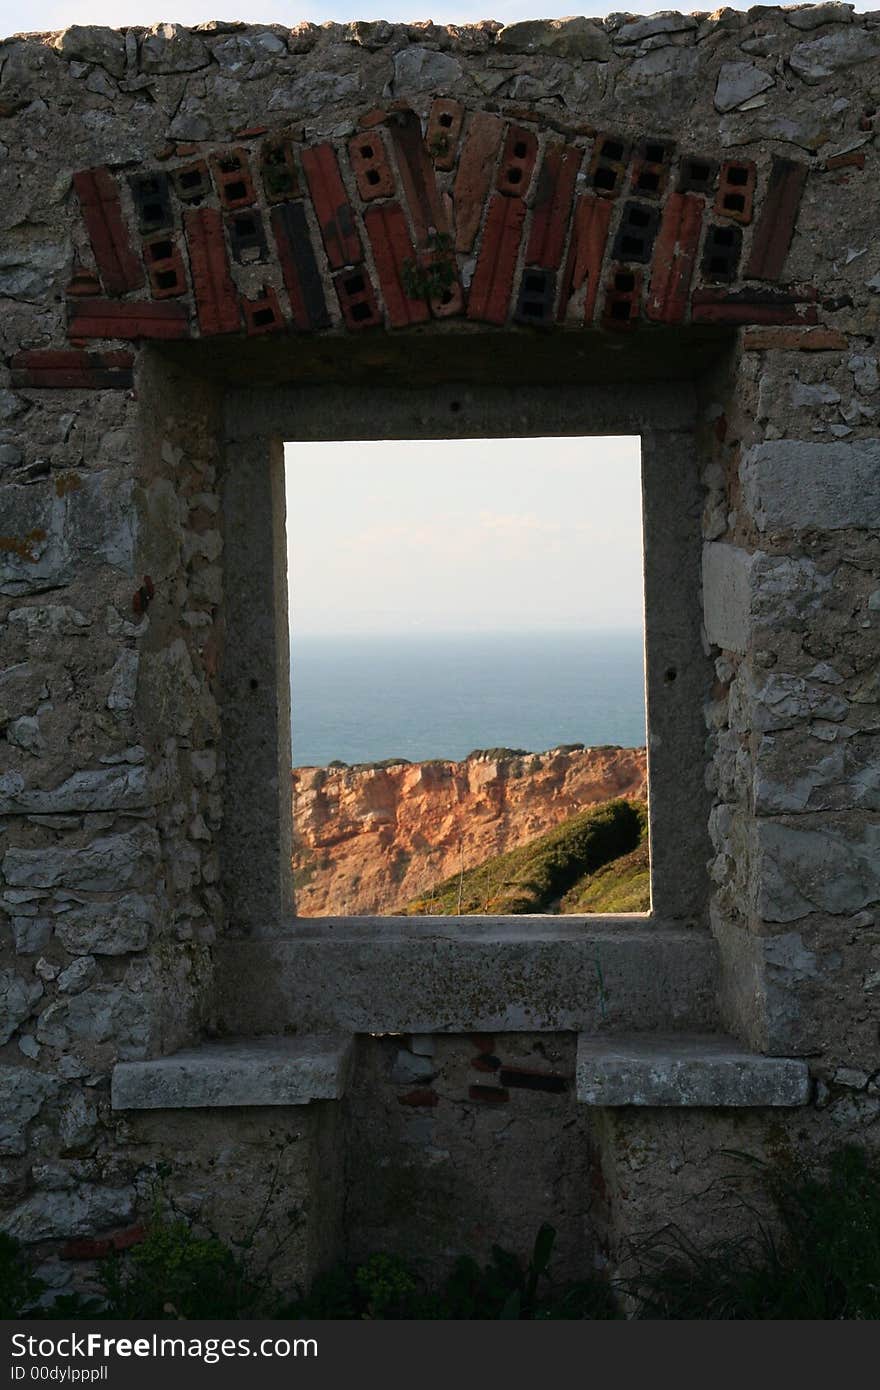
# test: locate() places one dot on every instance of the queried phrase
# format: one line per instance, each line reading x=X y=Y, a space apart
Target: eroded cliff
x=368 y=839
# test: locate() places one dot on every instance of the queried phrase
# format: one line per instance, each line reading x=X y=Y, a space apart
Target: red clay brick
x=795 y=340
x=589 y=236
x=554 y=195
x=332 y=208
x=232 y=175
x=608 y=165
x=299 y=266
x=736 y=190
x=486 y=1062
x=751 y=306
x=164 y=267
x=109 y=318
x=483 y=1042
x=72 y=370
x=474 y=176
x=422 y=1096
x=675 y=255
x=369 y=164
x=623 y=293
x=215 y=293
x=776 y=224
x=650 y=173
x=489 y=1095
x=98 y=195
x=392 y=251
x=96 y=1247
x=357 y=299
x=517 y=162
x=855 y=159
x=83 y=283
x=489 y=298
x=417 y=177
x=192 y=182
x=450 y=301
x=263 y=314
x=443 y=133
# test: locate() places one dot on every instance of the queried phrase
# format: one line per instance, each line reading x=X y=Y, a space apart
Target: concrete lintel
x=245 y=1072
x=686 y=1070
x=447 y=975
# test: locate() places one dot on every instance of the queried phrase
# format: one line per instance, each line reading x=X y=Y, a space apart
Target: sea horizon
x=359 y=698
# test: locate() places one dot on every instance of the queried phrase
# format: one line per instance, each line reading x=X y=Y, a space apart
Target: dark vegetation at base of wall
x=557 y=872
x=819 y=1260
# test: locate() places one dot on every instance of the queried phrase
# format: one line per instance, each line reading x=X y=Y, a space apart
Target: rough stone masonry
x=636 y=190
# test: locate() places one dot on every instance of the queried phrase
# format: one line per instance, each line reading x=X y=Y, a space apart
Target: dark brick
x=721 y=253
x=492 y=285
x=517 y=162
x=483 y=1042
x=109 y=318
x=444 y=130
x=299 y=266
x=357 y=299
x=697 y=175
x=98 y=1247
x=586 y=253
x=776 y=224
x=216 y=296
x=635 y=235
x=608 y=165
x=247 y=236
x=622 y=299
x=370 y=166
x=118 y=266
x=529 y=1080
x=486 y=1062
x=192 y=182
x=152 y=203
x=795 y=340
x=537 y=298
x=474 y=176
x=232 y=175
x=488 y=1095
x=278 y=171
x=736 y=190
x=392 y=252
x=263 y=314
x=83 y=283
x=551 y=207
x=417 y=177
x=332 y=208
x=72 y=370
x=675 y=257
x=752 y=306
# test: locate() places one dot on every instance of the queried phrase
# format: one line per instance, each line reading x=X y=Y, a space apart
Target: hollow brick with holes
x=357 y=300
x=444 y=130
x=736 y=190
x=278 y=171
x=369 y=164
x=263 y=314
x=608 y=165
x=623 y=289
x=165 y=267
x=517 y=162
x=232 y=175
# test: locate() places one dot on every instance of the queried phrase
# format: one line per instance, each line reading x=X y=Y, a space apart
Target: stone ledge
x=685 y=1070
x=237 y=1072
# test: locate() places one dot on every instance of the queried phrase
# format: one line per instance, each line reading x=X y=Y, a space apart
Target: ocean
x=365 y=699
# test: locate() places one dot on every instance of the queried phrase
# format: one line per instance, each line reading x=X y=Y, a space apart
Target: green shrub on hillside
x=536 y=876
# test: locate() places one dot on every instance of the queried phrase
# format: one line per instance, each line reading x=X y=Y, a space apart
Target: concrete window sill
x=685 y=1070
x=250 y=1072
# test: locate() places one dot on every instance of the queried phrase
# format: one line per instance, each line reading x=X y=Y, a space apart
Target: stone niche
x=217 y=239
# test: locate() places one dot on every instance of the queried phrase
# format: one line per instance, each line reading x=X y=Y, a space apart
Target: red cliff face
x=368 y=839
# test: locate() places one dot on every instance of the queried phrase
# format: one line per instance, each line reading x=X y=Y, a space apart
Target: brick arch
x=471 y=215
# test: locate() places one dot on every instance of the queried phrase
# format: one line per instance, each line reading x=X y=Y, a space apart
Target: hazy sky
x=466 y=535
x=57 y=14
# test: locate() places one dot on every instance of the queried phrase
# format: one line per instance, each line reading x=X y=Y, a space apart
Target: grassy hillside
x=624 y=885
x=538 y=876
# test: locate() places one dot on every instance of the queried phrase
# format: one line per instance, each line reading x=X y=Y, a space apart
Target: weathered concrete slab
x=688 y=1070
x=262 y=1071
x=448 y=975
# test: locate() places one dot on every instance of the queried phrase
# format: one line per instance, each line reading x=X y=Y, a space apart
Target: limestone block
x=23 y=1093
x=652 y=1070
x=739 y=82
x=169 y=48
x=18 y=997
x=93 y=43
x=804 y=870
x=22 y=687
x=788 y=485
x=727 y=585
x=575 y=38
x=260 y=1071
x=61 y=1215
x=107 y=929
x=108 y=863
x=816 y=59
x=107 y=789
x=419 y=69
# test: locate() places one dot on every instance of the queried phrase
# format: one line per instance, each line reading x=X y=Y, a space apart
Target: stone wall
x=673 y=194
